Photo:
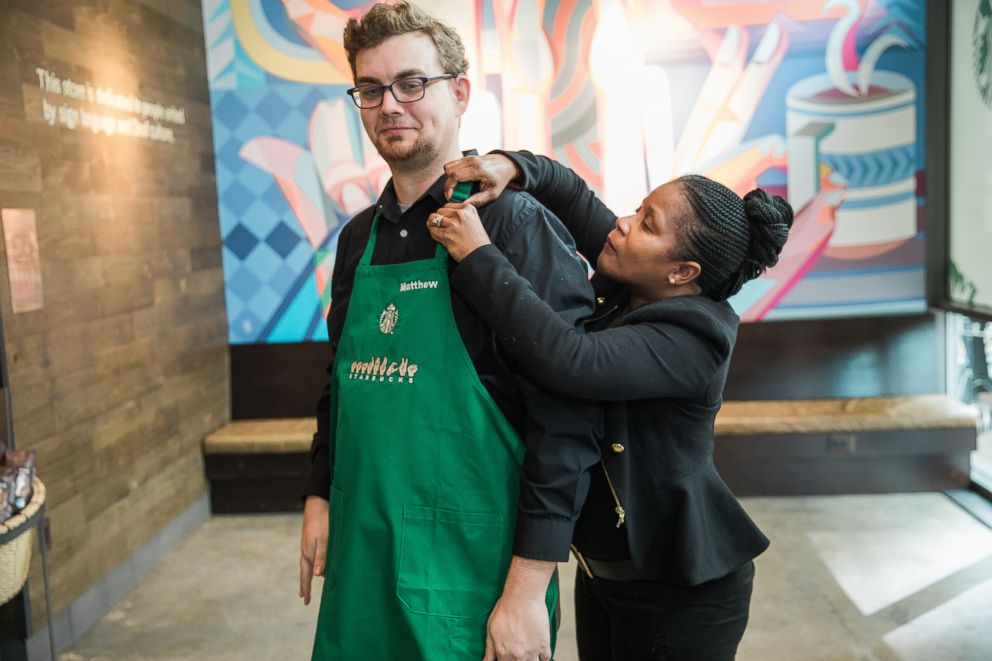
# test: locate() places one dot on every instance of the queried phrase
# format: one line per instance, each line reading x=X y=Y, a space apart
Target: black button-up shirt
x=560 y=434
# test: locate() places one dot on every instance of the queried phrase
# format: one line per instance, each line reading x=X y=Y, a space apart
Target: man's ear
x=463 y=90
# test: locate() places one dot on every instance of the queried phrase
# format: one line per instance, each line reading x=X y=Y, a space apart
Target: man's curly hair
x=387 y=20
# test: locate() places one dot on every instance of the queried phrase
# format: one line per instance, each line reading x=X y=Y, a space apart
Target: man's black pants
x=653 y=621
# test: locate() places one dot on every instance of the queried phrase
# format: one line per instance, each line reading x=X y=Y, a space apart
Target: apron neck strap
x=460 y=194
x=370 y=246
x=462 y=191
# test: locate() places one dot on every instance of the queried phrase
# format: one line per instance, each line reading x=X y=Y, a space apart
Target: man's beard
x=407 y=157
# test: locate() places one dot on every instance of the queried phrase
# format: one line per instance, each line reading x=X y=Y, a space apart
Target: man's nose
x=390 y=106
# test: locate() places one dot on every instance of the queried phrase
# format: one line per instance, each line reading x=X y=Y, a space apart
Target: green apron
x=425 y=478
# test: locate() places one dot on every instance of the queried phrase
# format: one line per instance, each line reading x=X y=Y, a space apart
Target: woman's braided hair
x=734 y=240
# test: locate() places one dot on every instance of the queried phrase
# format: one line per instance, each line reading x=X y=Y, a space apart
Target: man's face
x=411 y=135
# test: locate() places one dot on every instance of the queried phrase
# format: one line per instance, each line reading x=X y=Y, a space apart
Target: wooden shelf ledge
x=274 y=436
x=289 y=435
x=844 y=415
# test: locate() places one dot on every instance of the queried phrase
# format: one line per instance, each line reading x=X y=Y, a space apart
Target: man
x=438 y=460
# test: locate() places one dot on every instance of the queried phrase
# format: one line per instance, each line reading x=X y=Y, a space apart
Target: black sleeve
x=568 y=197
x=635 y=361
x=560 y=434
x=321 y=448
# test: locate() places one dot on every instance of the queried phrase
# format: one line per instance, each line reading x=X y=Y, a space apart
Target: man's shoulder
x=511 y=201
x=512 y=211
x=363 y=217
x=361 y=222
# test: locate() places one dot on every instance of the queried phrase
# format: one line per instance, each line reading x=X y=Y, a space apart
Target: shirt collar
x=389 y=208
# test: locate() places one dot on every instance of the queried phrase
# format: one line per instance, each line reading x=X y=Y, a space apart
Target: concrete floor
x=866 y=578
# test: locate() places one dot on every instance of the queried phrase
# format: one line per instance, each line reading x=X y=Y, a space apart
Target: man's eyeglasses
x=404 y=90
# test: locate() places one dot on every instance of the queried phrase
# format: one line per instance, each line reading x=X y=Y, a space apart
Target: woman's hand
x=492 y=171
x=457 y=227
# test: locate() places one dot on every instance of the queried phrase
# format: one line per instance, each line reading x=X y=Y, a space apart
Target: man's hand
x=519 y=628
x=313 y=543
x=492 y=171
x=458 y=228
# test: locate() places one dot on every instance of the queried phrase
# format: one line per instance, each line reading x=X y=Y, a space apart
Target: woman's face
x=640 y=251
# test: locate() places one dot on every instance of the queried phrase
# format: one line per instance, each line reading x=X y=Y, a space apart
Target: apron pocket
x=451 y=563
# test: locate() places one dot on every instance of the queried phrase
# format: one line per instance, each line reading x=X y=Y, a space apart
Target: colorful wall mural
x=818 y=100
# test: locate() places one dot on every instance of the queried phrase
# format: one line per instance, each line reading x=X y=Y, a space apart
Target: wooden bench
x=763 y=448
x=835 y=446
x=259 y=465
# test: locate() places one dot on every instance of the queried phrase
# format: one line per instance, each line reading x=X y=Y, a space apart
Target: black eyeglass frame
x=424 y=80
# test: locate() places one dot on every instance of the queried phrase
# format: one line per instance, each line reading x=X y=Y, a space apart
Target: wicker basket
x=15 y=547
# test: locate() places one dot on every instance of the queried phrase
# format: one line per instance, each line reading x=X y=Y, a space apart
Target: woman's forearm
x=619 y=364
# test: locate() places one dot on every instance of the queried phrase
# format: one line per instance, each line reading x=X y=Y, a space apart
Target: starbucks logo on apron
x=981 y=43
x=388 y=319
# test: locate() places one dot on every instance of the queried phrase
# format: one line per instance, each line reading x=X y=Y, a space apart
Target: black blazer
x=659 y=371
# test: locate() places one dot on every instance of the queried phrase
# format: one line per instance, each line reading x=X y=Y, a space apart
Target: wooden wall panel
x=117 y=379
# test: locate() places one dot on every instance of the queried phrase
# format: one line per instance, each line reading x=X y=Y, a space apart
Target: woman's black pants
x=653 y=621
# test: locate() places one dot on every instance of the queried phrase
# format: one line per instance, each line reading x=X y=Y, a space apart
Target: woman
x=664 y=548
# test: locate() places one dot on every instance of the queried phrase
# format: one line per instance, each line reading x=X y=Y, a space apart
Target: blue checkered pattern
x=268 y=263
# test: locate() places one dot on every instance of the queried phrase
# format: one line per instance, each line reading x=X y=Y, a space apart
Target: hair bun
x=770 y=218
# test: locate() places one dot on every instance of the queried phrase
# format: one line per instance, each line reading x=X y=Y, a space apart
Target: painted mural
x=817 y=100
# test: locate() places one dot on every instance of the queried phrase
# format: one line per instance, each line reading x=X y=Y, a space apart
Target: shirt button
x=403 y=233
x=617 y=448
x=600 y=300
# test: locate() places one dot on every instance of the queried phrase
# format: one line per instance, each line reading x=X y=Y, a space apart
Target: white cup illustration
x=871 y=145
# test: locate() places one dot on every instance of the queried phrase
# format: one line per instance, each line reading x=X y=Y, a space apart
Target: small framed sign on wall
x=20 y=238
